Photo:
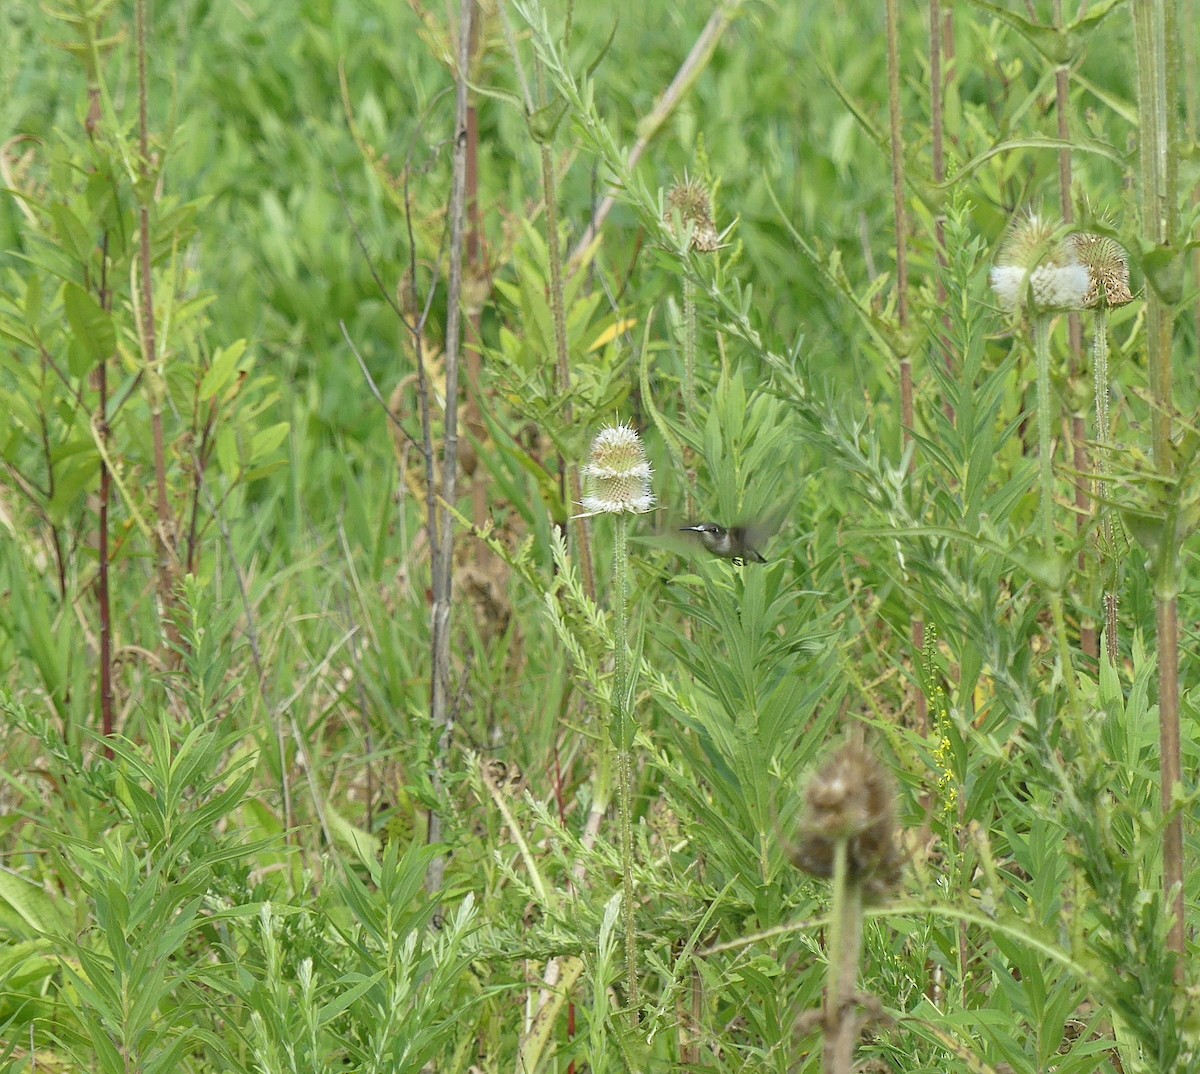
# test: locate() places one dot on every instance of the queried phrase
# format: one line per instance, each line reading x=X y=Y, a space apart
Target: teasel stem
x=624 y=720
x=689 y=344
x=1041 y=348
x=1156 y=42
x=563 y=365
x=1108 y=548
x=1062 y=80
x=844 y=954
x=689 y=378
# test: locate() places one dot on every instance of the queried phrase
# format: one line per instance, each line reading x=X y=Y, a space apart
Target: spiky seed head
x=1038 y=268
x=1108 y=270
x=851 y=798
x=618 y=474
x=691 y=199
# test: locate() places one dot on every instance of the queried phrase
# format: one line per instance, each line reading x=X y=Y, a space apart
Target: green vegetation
x=305 y=338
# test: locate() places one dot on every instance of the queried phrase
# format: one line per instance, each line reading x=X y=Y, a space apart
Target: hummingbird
x=735 y=543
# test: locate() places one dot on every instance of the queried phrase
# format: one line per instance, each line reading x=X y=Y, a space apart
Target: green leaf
x=27 y=904
x=222 y=370
x=33 y=299
x=266 y=442
x=75 y=236
x=91 y=327
x=228 y=456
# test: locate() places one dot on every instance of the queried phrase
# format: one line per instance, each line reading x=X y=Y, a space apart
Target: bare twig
x=167 y=553
x=1156 y=38
x=103 y=592
x=374 y=388
x=900 y=211
x=443 y=545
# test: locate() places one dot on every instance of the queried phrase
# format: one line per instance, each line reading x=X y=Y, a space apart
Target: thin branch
x=443 y=547
x=103 y=590
x=374 y=388
x=167 y=557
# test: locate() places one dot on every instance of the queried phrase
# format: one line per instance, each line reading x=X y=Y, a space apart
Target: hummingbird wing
x=756 y=532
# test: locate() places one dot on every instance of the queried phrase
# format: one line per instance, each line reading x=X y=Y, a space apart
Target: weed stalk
x=619 y=485
x=1156 y=42
x=1108 y=547
x=104 y=591
x=1088 y=641
x=1041 y=347
x=845 y=953
x=155 y=375
x=624 y=717
x=442 y=579
x=900 y=211
x=562 y=357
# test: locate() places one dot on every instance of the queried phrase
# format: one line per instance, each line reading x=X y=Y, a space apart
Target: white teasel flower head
x=1038 y=269
x=618 y=475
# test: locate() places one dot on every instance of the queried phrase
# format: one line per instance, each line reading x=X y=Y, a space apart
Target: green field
x=366 y=706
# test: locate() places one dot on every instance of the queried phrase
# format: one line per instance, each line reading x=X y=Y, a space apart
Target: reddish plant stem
x=1088 y=638
x=1156 y=41
x=104 y=594
x=476 y=277
x=167 y=552
x=900 y=211
x=1167 y=618
x=443 y=553
x=937 y=110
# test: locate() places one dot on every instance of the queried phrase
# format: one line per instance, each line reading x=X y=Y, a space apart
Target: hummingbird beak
x=691 y=529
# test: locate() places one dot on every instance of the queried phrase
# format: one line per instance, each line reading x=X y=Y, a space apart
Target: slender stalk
x=442 y=579
x=899 y=207
x=1189 y=15
x=691 y=408
x=167 y=552
x=476 y=274
x=900 y=212
x=844 y=953
x=1167 y=624
x=937 y=119
x=562 y=355
x=689 y=345
x=104 y=593
x=1041 y=347
x=1087 y=629
x=1108 y=550
x=1156 y=40
x=624 y=718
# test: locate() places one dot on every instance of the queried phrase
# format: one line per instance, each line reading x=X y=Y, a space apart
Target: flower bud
x=1108 y=270
x=851 y=798
x=693 y=202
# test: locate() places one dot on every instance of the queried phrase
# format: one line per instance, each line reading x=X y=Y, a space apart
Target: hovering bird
x=735 y=543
